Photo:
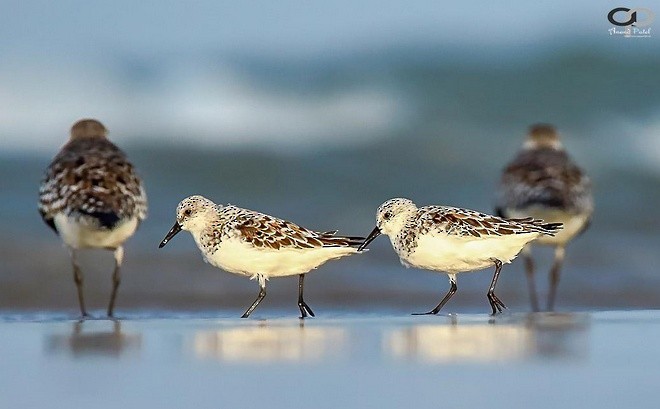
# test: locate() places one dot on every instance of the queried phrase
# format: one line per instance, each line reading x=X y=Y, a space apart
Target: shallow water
x=599 y=359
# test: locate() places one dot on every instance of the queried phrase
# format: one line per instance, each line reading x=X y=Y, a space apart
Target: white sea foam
x=197 y=104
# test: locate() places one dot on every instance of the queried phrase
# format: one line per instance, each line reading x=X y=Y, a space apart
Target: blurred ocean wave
x=300 y=107
x=201 y=104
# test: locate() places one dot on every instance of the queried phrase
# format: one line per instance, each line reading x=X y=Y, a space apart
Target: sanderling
x=92 y=198
x=256 y=245
x=455 y=240
x=543 y=182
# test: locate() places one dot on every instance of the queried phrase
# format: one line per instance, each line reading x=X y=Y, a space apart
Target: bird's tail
x=330 y=240
x=538 y=225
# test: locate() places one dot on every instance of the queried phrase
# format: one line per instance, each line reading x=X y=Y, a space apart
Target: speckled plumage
x=455 y=240
x=542 y=181
x=92 y=197
x=264 y=232
x=454 y=221
x=91 y=179
x=543 y=175
x=257 y=245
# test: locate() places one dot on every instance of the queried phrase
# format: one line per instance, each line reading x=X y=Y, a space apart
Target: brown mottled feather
x=463 y=222
x=266 y=231
x=91 y=177
x=545 y=177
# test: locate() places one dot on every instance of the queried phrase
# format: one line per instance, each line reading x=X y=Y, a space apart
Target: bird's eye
x=387 y=216
x=187 y=212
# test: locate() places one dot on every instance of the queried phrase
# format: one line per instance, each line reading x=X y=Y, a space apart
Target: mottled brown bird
x=543 y=182
x=455 y=240
x=92 y=198
x=257 y=245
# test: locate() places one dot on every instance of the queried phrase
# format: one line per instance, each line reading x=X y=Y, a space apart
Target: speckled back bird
x=543 y=182
x=92 y=198
x=455 y=240
x=257 y=245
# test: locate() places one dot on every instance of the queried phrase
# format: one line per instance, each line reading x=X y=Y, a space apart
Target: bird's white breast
x=78 y=234
x=455 y=254
x=242 y=258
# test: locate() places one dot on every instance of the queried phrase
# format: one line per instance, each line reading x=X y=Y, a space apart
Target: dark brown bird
x=92 y=198
x=543 y=182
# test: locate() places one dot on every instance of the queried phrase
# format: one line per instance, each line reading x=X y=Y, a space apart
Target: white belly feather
x=454 y=254
x=244 y=259
x=78 y=234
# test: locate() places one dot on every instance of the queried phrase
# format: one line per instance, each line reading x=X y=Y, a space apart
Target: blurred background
x=317 y=112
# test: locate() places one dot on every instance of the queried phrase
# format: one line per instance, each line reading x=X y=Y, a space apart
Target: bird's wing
x=470 y=223
x=266 y=231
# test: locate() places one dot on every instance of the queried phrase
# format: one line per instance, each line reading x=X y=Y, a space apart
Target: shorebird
x=543 y=182
x=455 y=240
x=256 y=245
x=92 y=198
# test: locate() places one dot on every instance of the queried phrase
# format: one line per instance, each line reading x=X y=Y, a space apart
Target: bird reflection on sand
x=94 y=338
x=560 y=335
x=515 y=338
x=266 y=343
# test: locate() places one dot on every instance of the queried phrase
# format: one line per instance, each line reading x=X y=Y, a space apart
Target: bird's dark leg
x=116 y=279
x=495 y=303
x=304 y=308
x=78 y=279
x=529 y=271
x=555 y=273
x=452 y=291
x=260 y=297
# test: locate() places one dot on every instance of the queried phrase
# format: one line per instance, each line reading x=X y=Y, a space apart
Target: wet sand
x=585 y=360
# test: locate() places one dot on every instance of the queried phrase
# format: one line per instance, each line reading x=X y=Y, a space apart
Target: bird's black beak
x=374 y=233
x=173 y=231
